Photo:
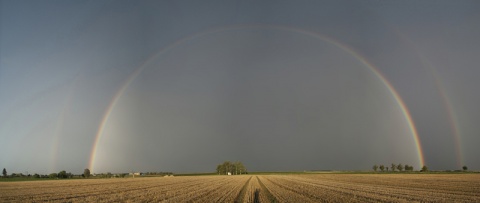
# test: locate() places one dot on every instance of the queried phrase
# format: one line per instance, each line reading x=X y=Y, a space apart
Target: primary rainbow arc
x=372 y=68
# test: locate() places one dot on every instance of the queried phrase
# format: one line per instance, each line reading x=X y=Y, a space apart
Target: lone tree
x=86 y=173
x=375 y=167
x=382 y=167
x=464 y=168
x=4 y=172
x=424 y=169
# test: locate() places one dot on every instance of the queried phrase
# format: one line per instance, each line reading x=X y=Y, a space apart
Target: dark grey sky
x=278 y=85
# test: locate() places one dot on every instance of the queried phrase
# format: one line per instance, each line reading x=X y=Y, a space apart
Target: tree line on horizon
x=400 y=168
x=64 y=175
x=394 y=167
x=234 y=168
x=60 y=175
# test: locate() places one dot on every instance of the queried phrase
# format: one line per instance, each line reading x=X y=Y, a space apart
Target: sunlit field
x=239 y=101
x=253 y=188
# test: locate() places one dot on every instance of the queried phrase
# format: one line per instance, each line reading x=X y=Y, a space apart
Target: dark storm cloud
x=274 y=99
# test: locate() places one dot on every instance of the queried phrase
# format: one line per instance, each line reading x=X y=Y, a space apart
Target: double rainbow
x=371 y=67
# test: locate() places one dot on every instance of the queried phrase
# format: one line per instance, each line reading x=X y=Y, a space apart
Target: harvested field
x=253 y=188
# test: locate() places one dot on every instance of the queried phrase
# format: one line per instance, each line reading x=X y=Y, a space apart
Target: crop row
x=315 y=188
x=178 y=189
x=247 y=188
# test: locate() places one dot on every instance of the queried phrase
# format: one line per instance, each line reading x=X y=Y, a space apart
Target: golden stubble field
x=253 y=188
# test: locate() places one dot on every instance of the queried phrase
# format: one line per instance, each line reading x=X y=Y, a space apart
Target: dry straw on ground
x=253 y=188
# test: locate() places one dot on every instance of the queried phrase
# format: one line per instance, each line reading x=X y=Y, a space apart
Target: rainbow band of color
x=452 y=117
x=137 y=71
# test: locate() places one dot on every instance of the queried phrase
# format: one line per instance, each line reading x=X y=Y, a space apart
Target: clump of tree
x=4 y=172
x=393 y=167
x=234 y=168
x=105 y=175
x=53 y=175
x=424 y=169
x=465 y=168
x=86 y=173
x=159 y=173
x=60 y=175
x=64 y=175
x=400 y=167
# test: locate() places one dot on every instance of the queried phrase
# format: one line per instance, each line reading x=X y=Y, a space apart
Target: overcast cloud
x=278 y=85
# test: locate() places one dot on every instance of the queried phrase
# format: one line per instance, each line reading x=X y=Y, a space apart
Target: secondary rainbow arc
x=452 y=117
